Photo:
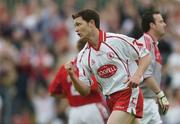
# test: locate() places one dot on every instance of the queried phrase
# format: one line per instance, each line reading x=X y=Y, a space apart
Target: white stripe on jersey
x=133 y=100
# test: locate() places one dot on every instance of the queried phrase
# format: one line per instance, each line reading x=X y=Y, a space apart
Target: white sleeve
x=83 y=72
x=147 y=45
x=134 y=49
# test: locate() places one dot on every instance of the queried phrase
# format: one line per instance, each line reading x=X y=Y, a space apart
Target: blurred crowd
x=38 y=36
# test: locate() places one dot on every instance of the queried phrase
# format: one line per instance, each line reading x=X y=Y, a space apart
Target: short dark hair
x=81 y=43
x=148 y=18
x=88 y=15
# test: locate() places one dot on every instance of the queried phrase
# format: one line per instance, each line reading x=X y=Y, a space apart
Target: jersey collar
x=102 y=38
x=153 y=38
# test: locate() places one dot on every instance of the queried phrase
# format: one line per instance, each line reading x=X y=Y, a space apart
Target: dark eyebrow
x=77 y=23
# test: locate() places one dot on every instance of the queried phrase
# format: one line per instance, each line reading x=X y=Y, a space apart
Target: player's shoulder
x=146 y=40
x=82 y=53
x=119 y=37
x=110 y=34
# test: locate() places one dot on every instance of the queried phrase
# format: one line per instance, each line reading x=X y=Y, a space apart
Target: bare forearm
x=143 y=65
x=80 y=86
x=162 y=99
x=152 y=84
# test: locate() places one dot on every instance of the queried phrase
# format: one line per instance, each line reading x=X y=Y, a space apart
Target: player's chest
x=155 y=55
x=105 y=57
x=102 y=56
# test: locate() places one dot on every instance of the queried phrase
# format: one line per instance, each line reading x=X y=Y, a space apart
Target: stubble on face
x=160 y=25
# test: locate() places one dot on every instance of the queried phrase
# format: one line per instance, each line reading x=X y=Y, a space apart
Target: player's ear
x=152 y=25
x=92 y=23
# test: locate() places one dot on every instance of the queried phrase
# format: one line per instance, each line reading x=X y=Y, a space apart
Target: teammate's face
x=82 y=27
x=159 y=25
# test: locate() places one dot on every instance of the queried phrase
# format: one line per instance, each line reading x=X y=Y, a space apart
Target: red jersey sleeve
x=55 y=87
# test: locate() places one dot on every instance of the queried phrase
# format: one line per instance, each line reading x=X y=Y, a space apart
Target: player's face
x=159 y=25
x=82 y=27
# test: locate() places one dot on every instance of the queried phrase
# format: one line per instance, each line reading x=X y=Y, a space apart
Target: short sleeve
x=83 y=72
x=132 y=48
x=55 y=86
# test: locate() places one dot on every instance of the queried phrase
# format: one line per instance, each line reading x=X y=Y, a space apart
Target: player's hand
x=70 y=68
x=133 y=81
x=163 y=102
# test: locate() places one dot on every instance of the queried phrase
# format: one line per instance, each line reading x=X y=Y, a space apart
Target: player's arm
x=162 y=99
x=54 y=90
x=143 y=64
x=55 y=87
x=80 y=86
x=152 y=84
x=134 y=50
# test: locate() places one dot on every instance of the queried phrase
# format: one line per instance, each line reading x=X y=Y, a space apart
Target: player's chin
x=85 y=39
x=82 y=36
x=162 y=33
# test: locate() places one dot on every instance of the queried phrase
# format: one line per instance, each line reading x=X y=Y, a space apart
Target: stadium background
x=37 y=36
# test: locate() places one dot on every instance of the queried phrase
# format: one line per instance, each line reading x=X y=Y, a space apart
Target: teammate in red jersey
x=84 y=110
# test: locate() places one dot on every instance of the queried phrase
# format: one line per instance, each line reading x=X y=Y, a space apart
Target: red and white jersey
x=112 y=63
x=62 y=85
x=154 y=68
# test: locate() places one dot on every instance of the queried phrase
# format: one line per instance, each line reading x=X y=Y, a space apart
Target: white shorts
x=88 y=114
x=151 y=113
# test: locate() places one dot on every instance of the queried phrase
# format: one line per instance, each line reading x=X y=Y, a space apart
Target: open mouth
x=79 y=35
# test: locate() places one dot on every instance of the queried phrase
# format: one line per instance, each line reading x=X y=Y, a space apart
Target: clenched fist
x=70 y=68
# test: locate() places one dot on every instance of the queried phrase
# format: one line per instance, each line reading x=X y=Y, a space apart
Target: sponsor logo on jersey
x=107 y=71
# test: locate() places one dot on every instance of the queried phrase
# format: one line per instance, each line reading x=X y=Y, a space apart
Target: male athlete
x=111 y=58
x=153 y=26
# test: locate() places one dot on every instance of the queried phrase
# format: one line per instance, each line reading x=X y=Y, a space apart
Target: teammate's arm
x=55 y=87
x=80 y=86
x=152 y=84
x=162 y=99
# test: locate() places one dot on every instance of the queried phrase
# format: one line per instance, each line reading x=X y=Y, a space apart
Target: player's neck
x=94 y=38
x=153 y=35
